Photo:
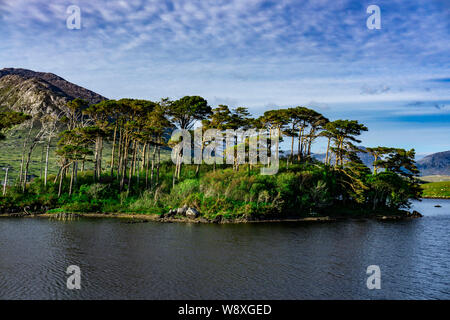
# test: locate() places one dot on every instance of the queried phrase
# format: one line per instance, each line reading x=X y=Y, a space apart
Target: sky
x=258 y=54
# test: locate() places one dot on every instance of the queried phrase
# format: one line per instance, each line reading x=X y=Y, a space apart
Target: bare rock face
x=39 y=93
x=185 y=211
x=182 y=211
x=192 y=213
x=435 y=164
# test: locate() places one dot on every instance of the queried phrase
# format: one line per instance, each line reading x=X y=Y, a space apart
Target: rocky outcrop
x=169 y=214
x=185 y=211
x=415 y=214
x=217 y=219
x=192 y=213
x=403 y=215
x=182 y=211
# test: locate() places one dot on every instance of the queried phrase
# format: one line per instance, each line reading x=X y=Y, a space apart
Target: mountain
x=39 y=92
x=366 y=158
x=435 y=164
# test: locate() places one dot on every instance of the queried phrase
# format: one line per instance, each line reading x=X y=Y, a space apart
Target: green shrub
x=80 y=207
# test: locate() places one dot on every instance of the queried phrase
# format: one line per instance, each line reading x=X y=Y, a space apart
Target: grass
x=11 y=155
x=436 y=190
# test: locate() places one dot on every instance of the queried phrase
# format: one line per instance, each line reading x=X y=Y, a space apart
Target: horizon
x=258 y=54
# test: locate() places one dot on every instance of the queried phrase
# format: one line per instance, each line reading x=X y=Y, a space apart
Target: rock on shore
x=184 y=211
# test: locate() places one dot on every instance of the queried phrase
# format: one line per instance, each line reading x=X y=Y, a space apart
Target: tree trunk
x=299 y=143
x=138 y=161
x=60 y=184
x=147 y=163
x=47 y=152
x=136 y=147
x=328 y=150
x=132 y=166
x=157 y=164
x=27 y=164
x=197 y=170
x=96 y=158
x=6 y=181
x=57 y=175
x=23 y=153
x=374 y=165
x=310 y=140
x=292 y=148
x=175 y=171
x=61 y=176
x=100 y=158
x=153 y=166
x=180 y=164
x=126 y=145
x=42 y=161
x=113 y=150
x=75 y=181
x=72 y=174
x=144 y=156
x=119 y=160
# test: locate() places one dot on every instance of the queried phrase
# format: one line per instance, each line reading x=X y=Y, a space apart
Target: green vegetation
x=436 y=190
x=108 y=159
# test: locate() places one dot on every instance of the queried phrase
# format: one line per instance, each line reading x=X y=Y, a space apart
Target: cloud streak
x=242 y=52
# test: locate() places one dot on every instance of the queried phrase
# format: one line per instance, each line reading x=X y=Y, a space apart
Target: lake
x=120 y=260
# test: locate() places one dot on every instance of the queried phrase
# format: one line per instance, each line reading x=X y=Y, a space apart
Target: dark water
x=264 y=261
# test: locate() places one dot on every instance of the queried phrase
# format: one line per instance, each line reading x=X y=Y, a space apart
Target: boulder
x=182 y=211
x=169 y=214
x=416 y=214
x=192 y=213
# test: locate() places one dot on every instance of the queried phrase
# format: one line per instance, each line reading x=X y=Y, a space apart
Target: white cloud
x=246 y=52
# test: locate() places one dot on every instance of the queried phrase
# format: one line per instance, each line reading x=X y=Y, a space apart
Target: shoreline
x=141 y=218
x=437 y=198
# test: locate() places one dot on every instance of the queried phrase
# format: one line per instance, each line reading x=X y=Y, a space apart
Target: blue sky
x=255 y=53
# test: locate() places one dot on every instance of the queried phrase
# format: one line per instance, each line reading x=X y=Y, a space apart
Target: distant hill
x=366 y=158
x=435 y=164
x=430 y=165
x=39 y=92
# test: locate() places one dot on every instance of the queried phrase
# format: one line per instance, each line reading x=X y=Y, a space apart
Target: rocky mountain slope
x=435 y=164
x=39 y=92
x=430 y=165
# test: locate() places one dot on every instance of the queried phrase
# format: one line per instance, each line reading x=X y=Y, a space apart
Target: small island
x=112 y=158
